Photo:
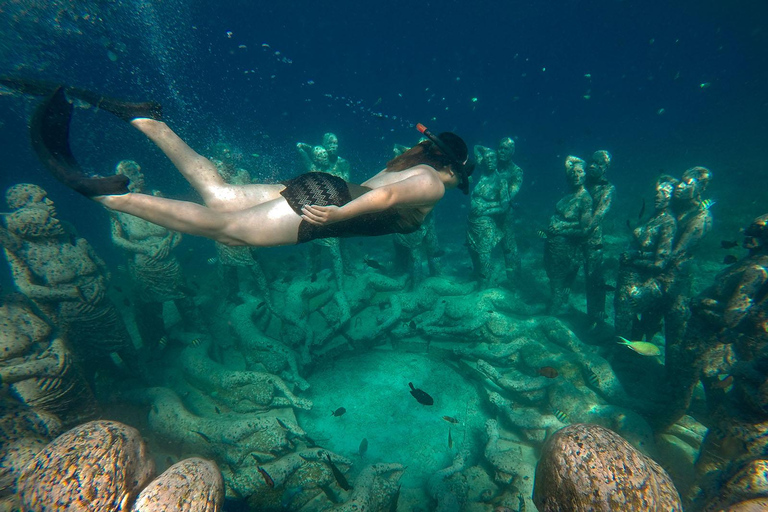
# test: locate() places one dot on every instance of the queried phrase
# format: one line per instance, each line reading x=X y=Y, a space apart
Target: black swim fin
x=49 y=132
x=125 y=110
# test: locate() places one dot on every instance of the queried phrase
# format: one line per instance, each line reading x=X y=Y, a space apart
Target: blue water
x=662 y=85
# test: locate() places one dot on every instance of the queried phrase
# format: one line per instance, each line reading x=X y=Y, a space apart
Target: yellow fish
x=641 y=347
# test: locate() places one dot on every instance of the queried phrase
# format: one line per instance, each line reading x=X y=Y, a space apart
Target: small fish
x=608 y=287
x=332 y=496
x=421 y=396
x=215 y=408
x=267 y=479
x=212 y=261
x=260 y=304
x=196 y=342
x=282 y=424
x=205 y=437
x=643 y=348
x=707 y=204
x=727 y=244
x=373 y=264
x=450 y=419
x=724 y=383
x=542 y=234
x=338 y=412
x=705 y=85
x=548 y=372
x=560 y=415
x=338 y=475
x=313 y=277
x=412 y=325
x=121 y=268
x=730 y=259
x=162 y=342
x=592 y=378
x=450 y=439
x=382 y=306
x=363 y=447
x=126 y=302
x=169 y=461
x=642 y=210
x=118 y=288
x=597 y=247
x=629 y=226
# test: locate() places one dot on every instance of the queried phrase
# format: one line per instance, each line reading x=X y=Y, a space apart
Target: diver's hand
x=321 y=215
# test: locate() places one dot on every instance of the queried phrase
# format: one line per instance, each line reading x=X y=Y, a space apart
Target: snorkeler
x=310 y=206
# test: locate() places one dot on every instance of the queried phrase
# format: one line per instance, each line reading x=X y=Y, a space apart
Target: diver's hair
x=423 y=153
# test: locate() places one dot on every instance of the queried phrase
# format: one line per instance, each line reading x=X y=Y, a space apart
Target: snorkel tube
x=462 y=168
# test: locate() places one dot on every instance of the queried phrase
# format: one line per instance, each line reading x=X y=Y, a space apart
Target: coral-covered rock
x=192 y=485
x=590 y=468
x=100 y=465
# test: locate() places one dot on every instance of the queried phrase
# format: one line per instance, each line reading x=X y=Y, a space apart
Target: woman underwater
x=312 y=205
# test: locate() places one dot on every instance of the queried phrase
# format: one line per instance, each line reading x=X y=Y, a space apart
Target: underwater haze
x=248 y=364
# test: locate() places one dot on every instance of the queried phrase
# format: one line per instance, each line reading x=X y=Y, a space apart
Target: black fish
x=642 y=211
x=597 y=247
x=412 y=324
x=373 y=264
x=450 y=439
x=363 y=447
x=338 y=475
x=282 y=424
x=338 y=412
x=260 y=304
x=118 y=288
x=313 y=278
x=727 y=244
x=332 y=496
x=730 y=259
x=629 y=226
x=421 y=396
x=218 y=411
x=205 y=437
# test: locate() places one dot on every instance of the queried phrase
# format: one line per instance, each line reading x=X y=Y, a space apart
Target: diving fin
x=125 y=110
x=49 y=130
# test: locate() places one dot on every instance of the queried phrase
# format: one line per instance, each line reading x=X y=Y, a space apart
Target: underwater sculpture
x=155 y=272
x=602 y=193
x=412 y=248
x=62 y=274
x=565 y=236
x=38 y=368
x=726 y=346
x=491 y=216
x=649 y=254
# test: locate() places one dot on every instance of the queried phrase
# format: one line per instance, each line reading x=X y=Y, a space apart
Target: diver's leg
x=202 y=174
x=268 y=224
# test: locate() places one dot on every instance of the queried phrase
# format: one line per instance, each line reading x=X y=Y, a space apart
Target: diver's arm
x=418 y=190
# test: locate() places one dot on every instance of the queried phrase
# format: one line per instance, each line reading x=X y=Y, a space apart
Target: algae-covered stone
x=590 y=468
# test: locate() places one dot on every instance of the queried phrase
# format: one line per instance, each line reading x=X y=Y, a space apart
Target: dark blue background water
x=662 y=85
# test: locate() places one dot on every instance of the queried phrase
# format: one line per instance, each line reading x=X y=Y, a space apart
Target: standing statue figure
x=325 y=158
x=412 y=248
x=670 y=292
x=512 y=179
x=154 y=270
x=647 y=258
x=233 y=258
x=731 y=312
x=568 y=230
x=38 y=367
x=491 y=216
x=602 y=192
x=65 y=278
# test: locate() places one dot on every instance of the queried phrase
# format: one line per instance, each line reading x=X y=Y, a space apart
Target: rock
x=196 y=483
x=586 y=467
x=100 y=465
